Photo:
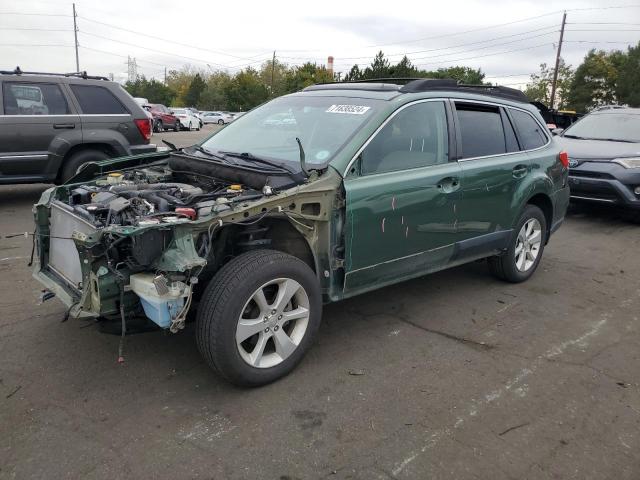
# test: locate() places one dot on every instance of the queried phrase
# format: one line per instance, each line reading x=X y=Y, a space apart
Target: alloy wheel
x=528 y=244
x=273 y=322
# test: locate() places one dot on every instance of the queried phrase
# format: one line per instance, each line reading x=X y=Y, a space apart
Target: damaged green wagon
x=308 y=199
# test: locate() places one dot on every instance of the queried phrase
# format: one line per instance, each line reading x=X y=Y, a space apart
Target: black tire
x=158 y=127
x=221 y=307
x=176 y=127
x=190 y=127
x=71 y=164
x=504 y=266
x=221 y=122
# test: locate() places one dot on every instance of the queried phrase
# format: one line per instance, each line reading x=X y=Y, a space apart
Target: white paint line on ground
x=491 y=397
x=6 y=259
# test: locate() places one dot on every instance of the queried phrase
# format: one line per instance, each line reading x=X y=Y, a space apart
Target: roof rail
x=414 y=85
x=84 y=75
x=428 y=84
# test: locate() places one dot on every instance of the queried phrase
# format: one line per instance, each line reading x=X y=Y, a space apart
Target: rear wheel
x=176 y=127
x=190 y=126
x=522 y=257
x=258 y=317
x=220 y=122
x=75 y=161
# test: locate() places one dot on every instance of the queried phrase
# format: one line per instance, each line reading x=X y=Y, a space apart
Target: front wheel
x=157 y=126
x=258 y=317
x=525 y=249
x=177 y=126
x=220 y=122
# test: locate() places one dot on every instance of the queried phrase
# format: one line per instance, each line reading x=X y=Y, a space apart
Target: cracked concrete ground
x=458 y=376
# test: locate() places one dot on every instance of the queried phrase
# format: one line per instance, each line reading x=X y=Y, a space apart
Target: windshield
x=623 y=127
x=323 y=125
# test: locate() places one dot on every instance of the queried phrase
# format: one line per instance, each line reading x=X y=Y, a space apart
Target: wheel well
x=101 y=147
x=543 y=202
x=271 y=233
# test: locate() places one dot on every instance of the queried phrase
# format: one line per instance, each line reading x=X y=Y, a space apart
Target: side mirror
x=557 y=131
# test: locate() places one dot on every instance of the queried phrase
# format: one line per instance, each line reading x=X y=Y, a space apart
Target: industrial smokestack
x=330 y=65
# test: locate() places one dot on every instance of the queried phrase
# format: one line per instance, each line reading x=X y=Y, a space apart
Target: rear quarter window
x=97 y=100
x=529 y=131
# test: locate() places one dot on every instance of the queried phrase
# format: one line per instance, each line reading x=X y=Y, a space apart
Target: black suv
x=51 y=124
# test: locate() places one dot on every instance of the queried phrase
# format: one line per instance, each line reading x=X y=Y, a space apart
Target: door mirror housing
x=557 y=131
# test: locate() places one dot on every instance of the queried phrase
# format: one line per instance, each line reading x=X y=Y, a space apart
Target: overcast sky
x=501 y=37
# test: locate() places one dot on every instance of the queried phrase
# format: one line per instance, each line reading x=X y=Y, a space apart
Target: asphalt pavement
x=452 y=376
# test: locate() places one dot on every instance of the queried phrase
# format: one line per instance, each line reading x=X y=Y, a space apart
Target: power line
x=488 y=54
x=34 y=45
x=36 y=14
x=217 y=52
x=446 y=48
x=37 y=29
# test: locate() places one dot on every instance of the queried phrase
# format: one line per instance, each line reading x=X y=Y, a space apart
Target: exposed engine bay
x=150 y=196
x=141 y=239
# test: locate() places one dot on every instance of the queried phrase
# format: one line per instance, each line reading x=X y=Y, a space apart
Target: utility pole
x=273 y=67
x=75 y=34
x=165 y=75
x=555 y=71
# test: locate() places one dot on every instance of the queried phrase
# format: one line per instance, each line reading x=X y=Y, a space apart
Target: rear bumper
x=139 y=149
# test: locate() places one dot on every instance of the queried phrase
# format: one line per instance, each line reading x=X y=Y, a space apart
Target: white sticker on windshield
x=350 y=109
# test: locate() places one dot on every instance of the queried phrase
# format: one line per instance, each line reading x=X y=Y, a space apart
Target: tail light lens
x=144 y=126
x=564 y=159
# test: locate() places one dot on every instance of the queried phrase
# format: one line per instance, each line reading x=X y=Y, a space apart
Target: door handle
x=67 y=126
x=519 y=171
x=448 y=184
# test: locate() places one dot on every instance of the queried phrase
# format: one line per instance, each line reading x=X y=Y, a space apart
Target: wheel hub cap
x=528 y=245
x=272 y=323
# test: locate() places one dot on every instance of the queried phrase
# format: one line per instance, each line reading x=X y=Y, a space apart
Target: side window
x=481 y=130
x=509 y=134
x=529 y=130
x=97 y=100
x=22 y=98
x=416 y=137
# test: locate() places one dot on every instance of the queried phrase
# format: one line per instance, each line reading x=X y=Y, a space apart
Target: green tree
x=539 y=87
x=196 y=87
x=245 y=91
x=213 y=96
x=273 y=76
x=354 y=74
x=379 y=68
x=594 y=82
x=152 y=90
x=305 y=75
x=179 y=82
x=468 y=75
x=403 y=69
x=628 y=88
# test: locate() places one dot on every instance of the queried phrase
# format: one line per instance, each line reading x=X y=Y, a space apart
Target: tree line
x=602 y=78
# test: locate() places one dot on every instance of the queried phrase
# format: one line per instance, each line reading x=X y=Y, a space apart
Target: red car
x=163 y=118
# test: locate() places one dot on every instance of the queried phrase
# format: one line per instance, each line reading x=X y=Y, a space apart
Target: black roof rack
x=414 y=85
x=84 y=75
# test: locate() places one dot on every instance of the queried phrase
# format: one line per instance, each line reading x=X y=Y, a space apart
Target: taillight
x=564 y=159
x=144 y=125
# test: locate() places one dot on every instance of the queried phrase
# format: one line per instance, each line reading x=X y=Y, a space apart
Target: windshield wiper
x=303 y=165
x=250 y=156
x=209 y=153
x=575 y=136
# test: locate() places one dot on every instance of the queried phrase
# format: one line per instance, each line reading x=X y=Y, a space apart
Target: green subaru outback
x=308 y=199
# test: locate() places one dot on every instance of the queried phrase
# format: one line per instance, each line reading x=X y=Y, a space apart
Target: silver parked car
x=216 y=117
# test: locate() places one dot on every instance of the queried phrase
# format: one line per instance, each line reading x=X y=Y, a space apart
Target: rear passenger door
x=493 y=171
x=36 y=121
x=104 y=118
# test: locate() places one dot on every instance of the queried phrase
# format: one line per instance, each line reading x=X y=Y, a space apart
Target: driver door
x=402 y=199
